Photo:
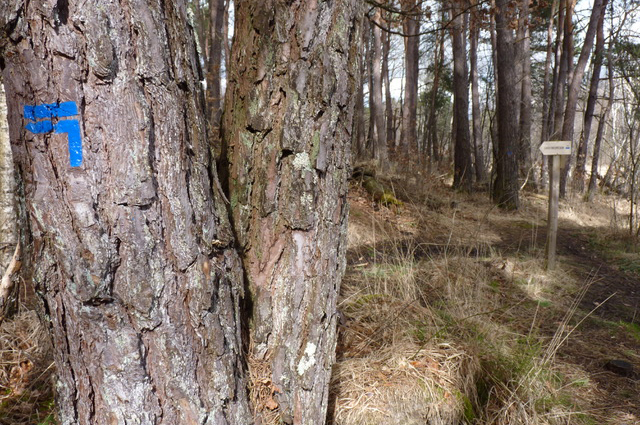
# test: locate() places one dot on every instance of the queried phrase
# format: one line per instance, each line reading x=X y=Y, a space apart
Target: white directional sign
x=556 y=148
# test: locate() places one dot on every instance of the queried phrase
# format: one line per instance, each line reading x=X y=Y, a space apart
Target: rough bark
x=574 y=87
x=132 y=249
x=583 y=146
x=287 y=129
x=462 y=167
x=214 y=60
x=505 y=188
x=411 y=30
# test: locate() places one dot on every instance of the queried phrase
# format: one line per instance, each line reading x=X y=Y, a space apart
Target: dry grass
x=26 y=368
x=450 y=320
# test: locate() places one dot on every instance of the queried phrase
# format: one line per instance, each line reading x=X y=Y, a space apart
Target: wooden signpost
x=554 y=149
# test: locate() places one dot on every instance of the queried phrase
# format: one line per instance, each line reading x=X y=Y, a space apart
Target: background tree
x=411 y=30
x=505 y=187
x=216 y=41
x=463 y=171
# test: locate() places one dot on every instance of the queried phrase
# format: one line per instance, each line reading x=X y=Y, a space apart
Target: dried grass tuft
x=404 y=384
x=26 y=369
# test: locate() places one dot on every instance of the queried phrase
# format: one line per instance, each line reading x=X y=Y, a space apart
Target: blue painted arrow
x=69 y=127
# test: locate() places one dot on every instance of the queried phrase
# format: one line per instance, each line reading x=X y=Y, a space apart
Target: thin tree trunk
x=583 y=146
x=214 y=63
x=381 y=151
x=604 y=117
x=574 y=87
x=563 y=57
x=524 y=132
x=463 y=170
x=129 y=236
x=547 y=96
x=474 y=34
x=288 y=136
x=411 y=29
x=359 y=139
x=505 y=189
x=388 y=101
x=432 y=121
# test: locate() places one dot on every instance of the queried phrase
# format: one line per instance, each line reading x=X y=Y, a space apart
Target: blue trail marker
x=70 y=127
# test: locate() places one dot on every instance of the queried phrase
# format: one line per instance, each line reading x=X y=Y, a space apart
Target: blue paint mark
x=40 y=127
x=69 y=127
x=72 y=128
x=50 y=110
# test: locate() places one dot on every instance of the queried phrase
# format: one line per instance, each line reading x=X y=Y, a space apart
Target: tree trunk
x=432 y=120
x=505 y=189
x=574 y=87
x=474 y=34
x=388 y=101
x=524 y=132
x=287 y=127
x=411 y=29
x=546 y=96
x=604 y=116
x=359 y=131
x=214 y=61
x=462 y=168
x=381 y=150
x=583 y=146
x=564 y=55
x=133 y=251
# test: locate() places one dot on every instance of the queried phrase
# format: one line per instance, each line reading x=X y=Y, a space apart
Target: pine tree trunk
x=505 y=188
x=478 y=146
x=432 y=122
x=411 y=29
x=380 y=146
x=132 y=249
x=463 y=171
x=524 y=131
x=388 y=101
x=287 y=128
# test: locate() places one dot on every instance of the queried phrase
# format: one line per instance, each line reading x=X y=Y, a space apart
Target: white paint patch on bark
x=308 y=359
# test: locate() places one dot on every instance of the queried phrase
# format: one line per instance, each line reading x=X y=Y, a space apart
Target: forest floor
x=449 y=317
x=463 y=324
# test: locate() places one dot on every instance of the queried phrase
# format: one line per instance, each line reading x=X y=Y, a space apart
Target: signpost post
x=554 y=149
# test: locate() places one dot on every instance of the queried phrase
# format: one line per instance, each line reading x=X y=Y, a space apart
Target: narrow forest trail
x=612 y=302
x=480 y=272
